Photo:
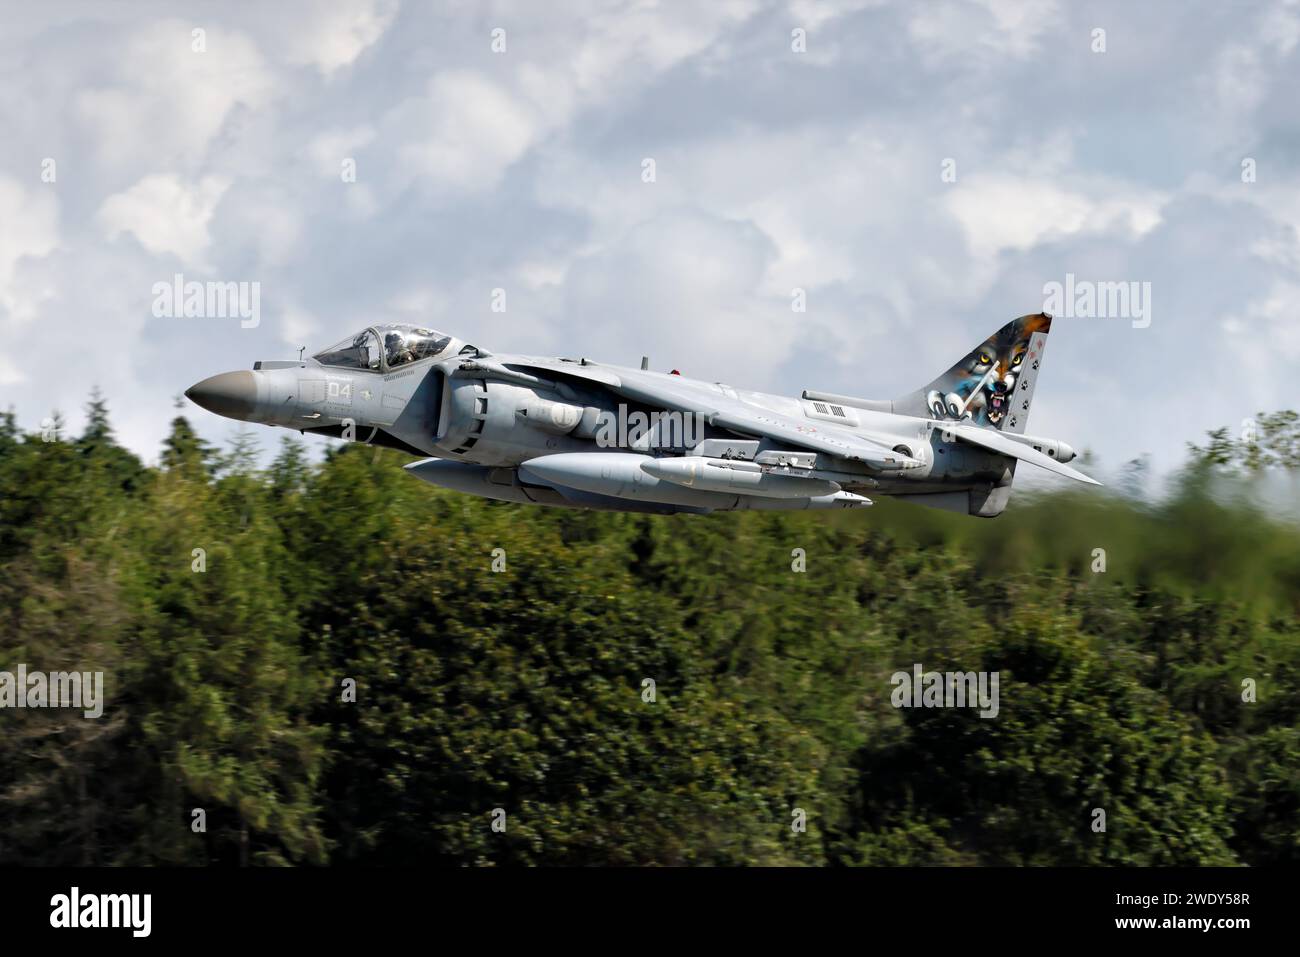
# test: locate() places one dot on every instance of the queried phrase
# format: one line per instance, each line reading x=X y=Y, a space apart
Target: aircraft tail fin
x=993 y=385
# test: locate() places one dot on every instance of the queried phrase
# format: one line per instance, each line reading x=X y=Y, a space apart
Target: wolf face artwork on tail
x=982 y=388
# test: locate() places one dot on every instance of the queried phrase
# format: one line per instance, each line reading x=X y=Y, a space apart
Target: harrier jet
x=575 y=433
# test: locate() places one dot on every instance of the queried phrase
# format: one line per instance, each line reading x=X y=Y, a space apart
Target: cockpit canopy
x=382 y=348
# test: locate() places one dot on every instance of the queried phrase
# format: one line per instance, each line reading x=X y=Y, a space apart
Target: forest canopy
x=338 y=664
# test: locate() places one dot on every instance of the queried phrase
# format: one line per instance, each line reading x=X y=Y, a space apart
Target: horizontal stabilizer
x=995 y=441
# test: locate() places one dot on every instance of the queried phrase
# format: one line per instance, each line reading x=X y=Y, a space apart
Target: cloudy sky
x=921 y=170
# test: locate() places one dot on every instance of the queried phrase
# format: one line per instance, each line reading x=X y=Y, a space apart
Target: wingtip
x=1085 y=479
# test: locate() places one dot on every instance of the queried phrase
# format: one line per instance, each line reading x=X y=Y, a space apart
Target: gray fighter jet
x=580 y=434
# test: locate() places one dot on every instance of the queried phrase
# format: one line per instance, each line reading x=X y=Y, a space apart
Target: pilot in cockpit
x=398 y=345
x=396 y=349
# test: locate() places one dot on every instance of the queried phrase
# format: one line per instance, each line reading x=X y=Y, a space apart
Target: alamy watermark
x=952 y=689
x=1085 y=299
x=75 y=909
x=55 y=689
x=648 y=430
x=179 y=299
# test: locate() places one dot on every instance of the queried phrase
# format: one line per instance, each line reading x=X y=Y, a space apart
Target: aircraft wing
x=576 y=369
x=730 y=412
x=995 y=441
x=755 y=421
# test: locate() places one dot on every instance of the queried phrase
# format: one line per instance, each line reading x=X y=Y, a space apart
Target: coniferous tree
x=184 y=450
x=99 y=448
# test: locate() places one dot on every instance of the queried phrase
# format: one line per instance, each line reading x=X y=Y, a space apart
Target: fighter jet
x=574 y=433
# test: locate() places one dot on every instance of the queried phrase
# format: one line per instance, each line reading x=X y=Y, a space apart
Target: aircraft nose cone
x=232 y=394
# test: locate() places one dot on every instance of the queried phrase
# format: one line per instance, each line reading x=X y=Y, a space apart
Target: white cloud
x=332 y=36
x=624 y=41
x=167 y=215
x=1281 y=27
x=261 y=224
x=30 y=228
x=464 y=133
x=962 y=32
x=683 y=277
x=813 y=14
x=329 y=149
x=1002 y=212
x=1266 y=334
x=298 y=327
x=159 y=102
x=472 y=124
x=1239 y=79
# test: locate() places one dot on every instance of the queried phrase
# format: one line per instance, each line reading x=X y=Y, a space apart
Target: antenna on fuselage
x=645 y=363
